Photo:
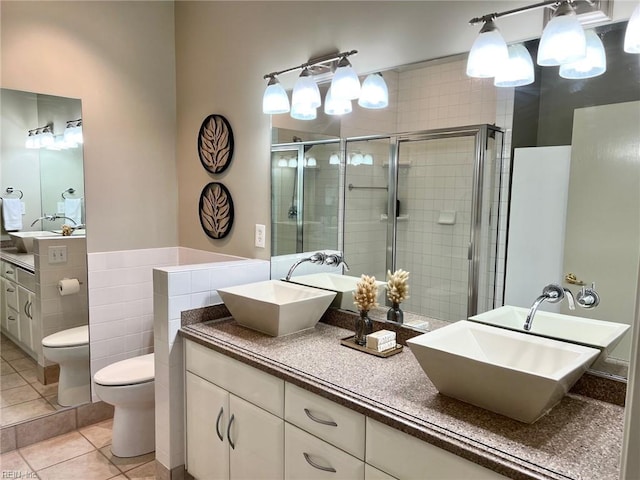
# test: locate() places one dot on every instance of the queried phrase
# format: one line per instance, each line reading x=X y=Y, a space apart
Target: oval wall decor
x=215 y=143
x=216 y=210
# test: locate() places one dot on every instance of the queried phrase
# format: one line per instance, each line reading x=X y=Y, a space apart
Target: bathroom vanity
x=19 y=315
x=303 y=405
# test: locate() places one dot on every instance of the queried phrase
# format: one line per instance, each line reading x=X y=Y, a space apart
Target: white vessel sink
x=342 y=285
x=23 y=241
x=275 y=307
x=515 y=374
x=584 y=331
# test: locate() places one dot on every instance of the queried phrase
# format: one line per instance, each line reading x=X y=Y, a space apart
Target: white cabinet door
x=207 y=409
x=26 y=299
x=256 y=438
x=307 y=457
x=371 y=473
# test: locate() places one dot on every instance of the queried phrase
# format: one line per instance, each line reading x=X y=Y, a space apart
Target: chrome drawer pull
x=218 y=424
x=13 y=319
x=319 y=420
x=307 y=457
x=229 y=431
x=10 y=290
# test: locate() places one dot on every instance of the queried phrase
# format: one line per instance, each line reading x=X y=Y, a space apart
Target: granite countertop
x=23 y=260
x=581 y=438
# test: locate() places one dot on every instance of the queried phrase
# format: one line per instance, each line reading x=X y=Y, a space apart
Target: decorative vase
x=395 y=314
x=364 y=326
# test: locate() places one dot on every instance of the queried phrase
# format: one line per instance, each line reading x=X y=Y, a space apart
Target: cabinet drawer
x=334 y=423
x=310 y=458
x=404 y=456
x=10 y=294
x=257 y=387
x=371 y=473
x=8 y=271
x=26 y=279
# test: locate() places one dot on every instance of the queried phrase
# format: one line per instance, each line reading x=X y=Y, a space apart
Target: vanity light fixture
x=592 y=65
x=345 y=86
x=40 y=137
x=632 y=35
x=73 y=133
x=488 y=53
x=563 y=39
x=564 y=42
x=374 y=93
x=336 y=106
x=275 y=99
x=517 y=70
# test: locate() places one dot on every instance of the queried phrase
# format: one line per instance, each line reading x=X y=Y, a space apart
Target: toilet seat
x=73 y=337
x=131 y=371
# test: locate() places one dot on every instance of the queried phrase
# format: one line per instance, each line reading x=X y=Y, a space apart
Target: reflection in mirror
x=44 y=268
x=438 y=95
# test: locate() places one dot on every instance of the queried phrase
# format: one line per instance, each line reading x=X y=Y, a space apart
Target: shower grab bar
x=352 y=186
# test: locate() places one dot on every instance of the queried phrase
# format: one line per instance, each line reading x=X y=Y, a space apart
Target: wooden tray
x=350 y=342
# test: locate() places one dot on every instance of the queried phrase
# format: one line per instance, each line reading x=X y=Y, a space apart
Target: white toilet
x=70 y=350
x=129 y=386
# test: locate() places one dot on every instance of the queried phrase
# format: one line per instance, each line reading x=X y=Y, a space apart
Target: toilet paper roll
x=68 y=286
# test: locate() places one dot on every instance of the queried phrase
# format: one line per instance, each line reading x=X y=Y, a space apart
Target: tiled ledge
x=54 y=424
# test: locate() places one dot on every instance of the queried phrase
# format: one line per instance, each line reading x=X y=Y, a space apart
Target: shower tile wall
x=438 y=179
x=436 y=96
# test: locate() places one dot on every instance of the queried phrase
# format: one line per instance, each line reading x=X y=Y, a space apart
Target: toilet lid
x=72 y=337
x=127 y=372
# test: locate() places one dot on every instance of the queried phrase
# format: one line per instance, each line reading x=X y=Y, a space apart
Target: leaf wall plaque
x=216 y=210
x=215 y=143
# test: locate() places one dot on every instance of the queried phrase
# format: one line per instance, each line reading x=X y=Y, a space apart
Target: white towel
x=73 y=209
x=12 y=214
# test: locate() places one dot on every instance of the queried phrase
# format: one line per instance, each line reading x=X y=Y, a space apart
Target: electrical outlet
x=260 y=234
x=58 y=254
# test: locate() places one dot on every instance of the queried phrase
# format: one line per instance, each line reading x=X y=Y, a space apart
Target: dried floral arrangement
x=397 y=286
x=366 y=293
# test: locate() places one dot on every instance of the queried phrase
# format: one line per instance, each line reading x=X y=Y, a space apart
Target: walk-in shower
x=427 y=202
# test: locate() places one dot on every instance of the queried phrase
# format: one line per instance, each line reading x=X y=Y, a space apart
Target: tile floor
x=83 y=454
x=22 y=397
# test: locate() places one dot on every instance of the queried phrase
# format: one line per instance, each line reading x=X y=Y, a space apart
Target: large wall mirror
x=42 y=190
x=336 y=182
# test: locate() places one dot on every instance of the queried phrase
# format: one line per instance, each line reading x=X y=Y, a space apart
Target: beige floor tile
x=23 y=364
x=99 y=434
x=6 y=368
x=46 y=390
x=24 y=411
x=13 y=466
x=55 y=450
x=10 y=354
x=144 y=472
x=90 y=466
x=13 y=396
x=12 y=380
x=30 y=375
x=126 y=464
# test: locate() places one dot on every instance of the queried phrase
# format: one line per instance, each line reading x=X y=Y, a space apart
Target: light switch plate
x=260 y=234
x=57 y=254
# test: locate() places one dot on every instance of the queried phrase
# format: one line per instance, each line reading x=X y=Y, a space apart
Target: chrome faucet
x=53 y=217
x=319 y=258
x=552 y=293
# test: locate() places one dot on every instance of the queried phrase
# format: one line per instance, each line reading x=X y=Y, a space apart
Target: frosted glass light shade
x=275 y=99
x=46 y=139
x=488 y=52
x=303 y=112
x=632 y=35
x=517 y=70
x=345 y=83
x=374 y=93
x=563 y=39
x=334 y=159
x=282 y=162
x=305 y=92
x=592 y=65
x=31 y=141
x=336 y=106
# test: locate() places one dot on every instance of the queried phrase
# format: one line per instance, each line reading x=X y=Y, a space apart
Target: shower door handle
x=470 y=251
